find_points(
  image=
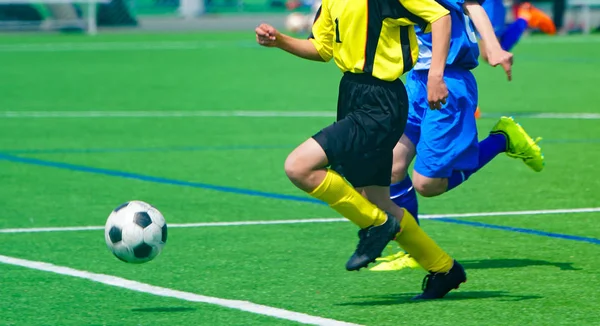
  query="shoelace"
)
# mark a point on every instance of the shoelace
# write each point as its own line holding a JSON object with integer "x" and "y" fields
{"x": 522, "y": 155}
{"x": 426, "y": 280}
{"x": 362, "y": 235}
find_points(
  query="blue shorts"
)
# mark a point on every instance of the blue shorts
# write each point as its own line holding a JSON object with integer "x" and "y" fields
{"x": 497, "y": 12}
{"x": 445, "y": 139}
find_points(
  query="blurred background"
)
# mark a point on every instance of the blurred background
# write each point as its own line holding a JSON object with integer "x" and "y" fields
{"x": 570, "y": 16}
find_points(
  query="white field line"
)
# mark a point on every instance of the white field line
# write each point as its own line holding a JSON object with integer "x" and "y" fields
{"x": 205, "y": 44}
{"x": 240, "y": 113}
{"x": 513, "y": 213}
{"x": 165, "y": 292}
{"x": 163, "y": 114}
{"x": 123, "y": 46}
{"x": 312, "y": 220}
{"x": 582, "y": 116}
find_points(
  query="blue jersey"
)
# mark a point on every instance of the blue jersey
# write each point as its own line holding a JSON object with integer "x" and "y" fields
{"x": 463, "y": 51}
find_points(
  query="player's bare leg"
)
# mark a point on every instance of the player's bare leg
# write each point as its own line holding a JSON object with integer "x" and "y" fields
{"x": 429, "y": 187}
{"x": 402, "y": 191}
{"x": 404, "y": 153}
{"x": 305, "y": 167}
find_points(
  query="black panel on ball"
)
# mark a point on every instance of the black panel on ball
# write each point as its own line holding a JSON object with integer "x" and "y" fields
{"x": 120, "y": 207}
{"x": 114, "y": 234}
{"x": 164, "y": 233}
{"x": 142, "y": 219}
{"x": 142, "y": 250}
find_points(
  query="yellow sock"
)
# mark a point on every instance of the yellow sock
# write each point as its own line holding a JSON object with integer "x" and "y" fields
{"x": 343, "y": 198}
{"x": 421, "y": 247}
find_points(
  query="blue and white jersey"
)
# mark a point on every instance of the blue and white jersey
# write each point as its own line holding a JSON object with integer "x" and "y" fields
{"x": 464, "y": 50}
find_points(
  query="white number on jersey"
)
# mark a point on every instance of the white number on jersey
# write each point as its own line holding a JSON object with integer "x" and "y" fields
{"x": 470, "y": 32}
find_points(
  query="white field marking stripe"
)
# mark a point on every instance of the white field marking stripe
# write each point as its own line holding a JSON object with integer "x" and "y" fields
{"x": 185, "y": 225}
{"x": 165, "y": 292}
{"x": 123, "y": 46}
{"x": 199, "y": 44}
{"x": 512, "y": 213}
{"x": 241, "y": 113}
{"x": 584, "y": 116}
{"x": 162, "y": 114}
{"x": 311, "y": 220}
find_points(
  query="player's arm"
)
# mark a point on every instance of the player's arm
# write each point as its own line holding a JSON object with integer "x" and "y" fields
{"x": 440, "y": 45}
{"x": 318, "y": 47}
{"x": 434, "y": 18}
{"x": 493, "y": 50}
{"x": 267, "y": 35}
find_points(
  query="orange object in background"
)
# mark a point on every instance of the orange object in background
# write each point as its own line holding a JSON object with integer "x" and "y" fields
{"x": 536, "y": 18}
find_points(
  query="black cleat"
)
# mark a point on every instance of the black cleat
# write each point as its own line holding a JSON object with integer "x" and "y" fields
{"x": 437, "y": 285}
{"x": 371, "y": 243}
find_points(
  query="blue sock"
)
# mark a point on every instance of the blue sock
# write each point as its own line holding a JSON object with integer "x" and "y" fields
{"x": 493, "y": 145}
{"x": 404, "y": 195}
{"x": 513, "y": 33}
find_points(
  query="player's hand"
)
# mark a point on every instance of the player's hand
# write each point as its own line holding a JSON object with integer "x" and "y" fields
{"x": 266, "y": 35}
{"x": 437, "y": 92}
{"x": 502, "y": 58}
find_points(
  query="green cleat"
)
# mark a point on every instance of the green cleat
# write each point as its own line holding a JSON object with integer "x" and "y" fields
{"x": 395, "y": 262}
{"x": 520, "y": 144}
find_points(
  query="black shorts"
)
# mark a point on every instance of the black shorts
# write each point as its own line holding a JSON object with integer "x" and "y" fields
{"x": 371, "y": 117}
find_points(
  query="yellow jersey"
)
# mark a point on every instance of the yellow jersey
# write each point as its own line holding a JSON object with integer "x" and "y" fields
{"x": 375, "y": 37}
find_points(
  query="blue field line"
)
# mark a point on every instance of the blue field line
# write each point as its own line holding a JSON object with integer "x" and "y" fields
{"x": 213, "y": 148}
{"x": 520, "y": 230}
{"x": 143, "y": 149}
{"x": 249, "y": 192}
{"x": 142, "y": 177}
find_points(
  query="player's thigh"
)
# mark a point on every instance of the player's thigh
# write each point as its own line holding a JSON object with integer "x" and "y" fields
{"x": 449, "y": 136}
{"x": 405, "y": 150}
{"x": 307, "y": 156}
{"x": 403, "y": 154}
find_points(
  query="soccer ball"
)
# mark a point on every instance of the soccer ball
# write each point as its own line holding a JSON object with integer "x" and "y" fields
{"x": 135, "y": 232}
{"x": 295, "y": 22}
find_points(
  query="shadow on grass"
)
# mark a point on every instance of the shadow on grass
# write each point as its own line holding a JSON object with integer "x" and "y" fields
{"x": 513, "y": 263}
{"x": 163, "y": 309}
{"x": 403, "y": 298}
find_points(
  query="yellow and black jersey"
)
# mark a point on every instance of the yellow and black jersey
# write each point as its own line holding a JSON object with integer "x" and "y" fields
{"x": 376, "y": 37}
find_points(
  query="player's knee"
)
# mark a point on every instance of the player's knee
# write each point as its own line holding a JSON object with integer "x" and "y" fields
{"x": 429, "y": 188}
{"x": 294, "y": 169}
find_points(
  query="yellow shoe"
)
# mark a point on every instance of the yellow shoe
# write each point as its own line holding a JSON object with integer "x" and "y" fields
{"x": 520, "y": 144}
{"x": 395, "y": 262}
{"x": 391, "y": 257}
